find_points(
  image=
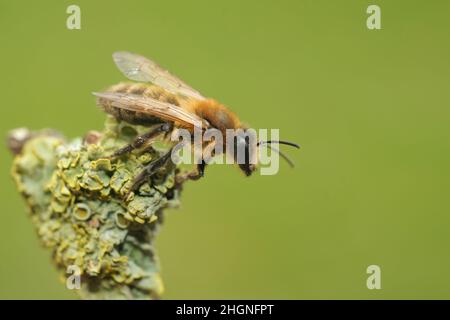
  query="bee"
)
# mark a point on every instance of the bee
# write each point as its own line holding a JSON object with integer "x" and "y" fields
{"x": 163, "y": 102}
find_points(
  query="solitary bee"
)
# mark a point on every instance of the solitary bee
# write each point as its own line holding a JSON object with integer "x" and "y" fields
{"x": 163, "y": 102}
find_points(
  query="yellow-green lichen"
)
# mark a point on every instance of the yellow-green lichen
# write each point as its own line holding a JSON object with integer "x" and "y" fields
{"x": 81, "y": 205}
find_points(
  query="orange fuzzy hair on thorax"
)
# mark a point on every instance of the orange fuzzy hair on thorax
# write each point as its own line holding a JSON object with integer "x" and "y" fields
{"x": 216, "y": 114}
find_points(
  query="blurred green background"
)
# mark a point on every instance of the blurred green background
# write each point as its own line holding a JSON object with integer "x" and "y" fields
{"x": 371, "y": 110}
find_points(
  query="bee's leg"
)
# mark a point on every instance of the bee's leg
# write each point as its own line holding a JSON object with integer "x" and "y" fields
{"x": 149, "y": 171}
{"x": 139, "y": 141}
{"x": 194, "y": 174}
{"x": 199, "y": 173}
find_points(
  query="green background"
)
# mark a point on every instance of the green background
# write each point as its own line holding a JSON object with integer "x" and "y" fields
{"x": 370, "y": 109}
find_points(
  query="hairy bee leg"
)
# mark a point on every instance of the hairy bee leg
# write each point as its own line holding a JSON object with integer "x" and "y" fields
{"x": 149, "y": 171}
{"x": 199, "y": 173}
{"x": 196, "y": 174}
{"x": 139, "y": 141}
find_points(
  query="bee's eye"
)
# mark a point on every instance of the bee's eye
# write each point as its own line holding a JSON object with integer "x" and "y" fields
{"x": 239, "y": 145}
{"x": 242, "y": 141}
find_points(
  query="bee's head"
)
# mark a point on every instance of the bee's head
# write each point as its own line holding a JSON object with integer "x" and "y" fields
{"x": 247, "y": 167}
{"x": 245, "y": 148}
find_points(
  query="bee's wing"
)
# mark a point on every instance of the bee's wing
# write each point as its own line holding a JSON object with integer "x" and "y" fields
{"x": 138, "y": 68}
{"x": 163, "y": 110}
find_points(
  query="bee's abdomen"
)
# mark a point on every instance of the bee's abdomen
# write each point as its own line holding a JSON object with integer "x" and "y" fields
{"x": 141, "y": 89}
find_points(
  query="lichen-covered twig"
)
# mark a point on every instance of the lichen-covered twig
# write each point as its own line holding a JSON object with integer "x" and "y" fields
{"x": 78, "y": 202}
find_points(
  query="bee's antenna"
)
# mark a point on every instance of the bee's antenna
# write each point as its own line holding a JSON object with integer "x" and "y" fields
{"x": 292, "y": 144}
{"x": 284, "y": 156}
